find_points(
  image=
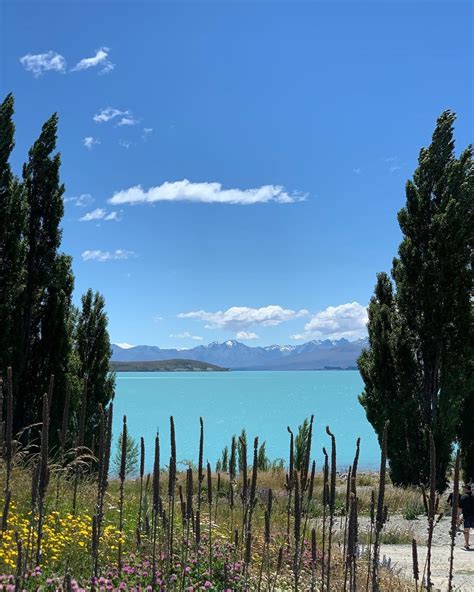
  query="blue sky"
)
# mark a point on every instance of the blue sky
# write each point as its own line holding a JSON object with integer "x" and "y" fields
{"x": 271, "y": 143}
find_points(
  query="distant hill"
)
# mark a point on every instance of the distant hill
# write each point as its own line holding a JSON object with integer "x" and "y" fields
{"x": 313, "y": 355}
{"x": 166, "y": 366}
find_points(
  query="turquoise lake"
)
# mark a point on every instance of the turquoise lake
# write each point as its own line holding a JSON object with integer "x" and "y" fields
{"x": 262, "y": 402}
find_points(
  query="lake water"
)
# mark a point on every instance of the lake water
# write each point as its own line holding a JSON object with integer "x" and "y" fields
{"x": 262, "y": 402}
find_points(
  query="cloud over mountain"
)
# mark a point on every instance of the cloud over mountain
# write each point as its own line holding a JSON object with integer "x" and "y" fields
{"x": 347, "y": 321}
{"x": 240, "y": 317}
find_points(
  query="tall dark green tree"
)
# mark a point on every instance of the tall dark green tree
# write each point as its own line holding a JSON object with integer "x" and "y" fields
{"x": 93, "y": 349}
{"x": 44, "y": 308}
{"x": 12, "y": 246}
{"x": 417, "y": 364}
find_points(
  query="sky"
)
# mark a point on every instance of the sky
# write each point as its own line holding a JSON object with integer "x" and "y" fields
{"x": 233, "y": 170}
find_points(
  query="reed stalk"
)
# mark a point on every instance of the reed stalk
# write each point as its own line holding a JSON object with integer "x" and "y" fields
{"x": 140, "y": 501}
{"x": 431, "y": 511}
{"x": 171, "y": 491}
{"x": 8, "y": 448}
{"x": 79, "y": 442}
{"x": 290, "y": 485}
{"x": 200, "y": 461}
{"x": 416, "y": 571}
{"x": 156, "y": 506}
{"x": 380, "y": 516}
{"x": 122, "y": 475}
{"x": 297, "y": 532}
{"x": 43, "y": 475}
{"x": 325, "y": 501}
{"x": 454, "y": 520}
{"x": 332, "y": 504}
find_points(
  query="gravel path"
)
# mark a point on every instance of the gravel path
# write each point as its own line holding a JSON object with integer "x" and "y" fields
{"x": 400, "y": 555}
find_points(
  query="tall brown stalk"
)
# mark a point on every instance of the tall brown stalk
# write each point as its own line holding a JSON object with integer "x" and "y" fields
{"x": 332, "y": 504}
{"x": 156, "y": 506}
{"x": 209, "y": 503}
{"x": 79, "y": 442}
{"x": 140, "y": 503}
{"x": 122, "y": 475}
{"x": 200, "y": 461}
{"x": 43, "y": 475}
{"x": 171, "y": 491}
{"x": 454, "y": 520}
{"x": 431, "y": 511}
{"x": 380, "y": 516}
{"x": 325, "y": 501}
{"x": 290, "y": 480}
{"x": 414, "y": 556}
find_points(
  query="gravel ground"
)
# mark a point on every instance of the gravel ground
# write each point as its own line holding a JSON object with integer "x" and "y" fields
{"x": 400, "y": 555}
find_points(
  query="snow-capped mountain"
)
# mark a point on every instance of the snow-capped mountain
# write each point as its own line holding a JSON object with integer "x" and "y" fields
{"x": 313, "y": 355}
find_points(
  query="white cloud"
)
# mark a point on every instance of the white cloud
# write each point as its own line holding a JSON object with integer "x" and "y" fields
{"x": 108, "y": 114}
{"x": 346, "y": 320}
{"x": 241, "y": 317}
{"x": 39, "y": 63}
{"x": 157, "y": 318}
{"x": 147, "y": 130}
{"x": 102, "y": 256}
{"x": 186, "y": 335}
{"x": 89, "y": 142}
{"x": 82, "y": 201}
{"x": 100, "y": 214}
{"x": 116, "y": 216}
{"x": 101, "y": 58}
{"x": 128, "y": 120}
{"x": 204, "y": 193}
{"x": 124, "y": 345}
{"x": 125, "y": 144}
{"x": 246, "y": 335}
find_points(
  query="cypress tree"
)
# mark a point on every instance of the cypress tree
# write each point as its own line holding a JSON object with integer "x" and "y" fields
{"x": 93, "y": 349}
{"x": 12, "y": 222}
{"x": 45, "y": 305}
{"x": 416, "y": 368}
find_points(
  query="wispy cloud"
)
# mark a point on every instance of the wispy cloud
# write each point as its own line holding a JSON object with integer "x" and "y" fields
{"x": 246, "y": 335}
{"x": 39, "y": 63}
{"x": 101, "y": 59}
{"x": 100, "y": 214}
{"x": 102, "y": 256}
{"x": 186, "y": 335}
{"x": 124, "y": 345}
{"x": 205, "y": 193}
{"x": 108, "y": 114}
{"x": 89, "y": 142}
{"x": 81, "y": 201}
{"x": 124, "y": 143}
{"x": 357, "y": 171}
{"x": 346, "y": 320}
{"x": 394, "y": 162}
{"x": 240, "y": 317}
{"x": 128, "y": 120}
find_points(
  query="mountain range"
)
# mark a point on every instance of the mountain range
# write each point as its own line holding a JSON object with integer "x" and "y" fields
{"x": 313, "y": 355}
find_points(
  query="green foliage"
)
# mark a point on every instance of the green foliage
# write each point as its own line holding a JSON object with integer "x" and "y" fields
{"x": 12, "y": 244}
{"x": 240, "y": 449}
{"x": 416, "y": 367}
{"x": 38, "y": 336}
{"x": 263, "y": 462}
{"x": 301, "y": 441}
{"x": 92, "y": 345}
{"x": 131, "y": 458}
{"x": 413, "y": 510}
{"x": 225, "y": 460}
